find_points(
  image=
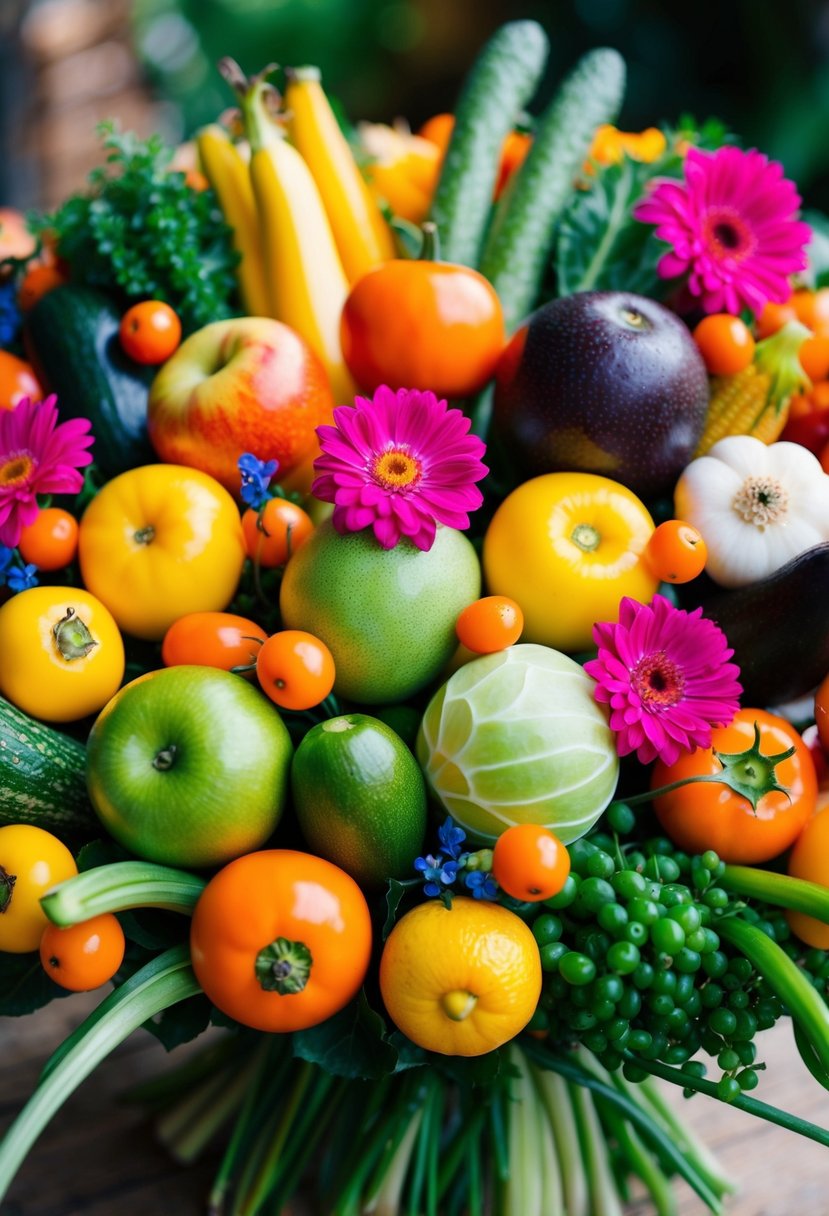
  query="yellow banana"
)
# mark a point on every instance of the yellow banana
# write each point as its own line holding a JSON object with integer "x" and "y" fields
{"x": 307, "y": 285}
{"x": 363, "y": 237}
{"x": 228, "y": 174}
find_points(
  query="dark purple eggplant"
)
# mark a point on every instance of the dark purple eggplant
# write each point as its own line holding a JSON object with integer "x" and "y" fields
{"x": 778, "y": 628}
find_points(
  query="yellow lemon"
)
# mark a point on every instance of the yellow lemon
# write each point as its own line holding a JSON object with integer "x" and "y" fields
{"x": 462, "y": 980}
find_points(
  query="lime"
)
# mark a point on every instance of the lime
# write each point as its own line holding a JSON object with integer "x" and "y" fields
{"x": 387, "y": 615}
{"x": 360, "y": 797}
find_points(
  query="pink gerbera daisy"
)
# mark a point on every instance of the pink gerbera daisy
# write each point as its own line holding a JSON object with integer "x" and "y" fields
{"x": 37, "y": 456}
{"x": 400, "y": 464}
{"x": 665, "y": 674}
{"x": 733, "y": 227}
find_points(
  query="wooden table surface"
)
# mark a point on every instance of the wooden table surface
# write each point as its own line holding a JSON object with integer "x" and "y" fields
{"x": 98, "y": 1158}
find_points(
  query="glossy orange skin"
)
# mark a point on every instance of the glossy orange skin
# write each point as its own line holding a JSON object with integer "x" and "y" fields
{"x": 774, "y": 317}
{"x": 676, "y": 552}
{"x": 530, "y": 862}
{"x": 809, "y": 859}
{"x": 37, "y": 282}
{"x": 424, "y": 325}
{"x": 276, "y": 536}
{"x": 712, "y": 816}
{"x": 490, "y": 624}
{"x": 295, "y": 669}
{"x": 51, "y": 541}
{"x": 83, "y": 956}
{"x": 17, "y": 380}
{"x": 725, "y": 343}
{"x": 245, "y": 385}
{"x": 280, "y": 893}
{"x": 438, "y": 130}
{"x": 814, "y": 359}
{"x": 150, "y": 332}
{"x": 212, "y": 639}
{"x": 812, "y": 308}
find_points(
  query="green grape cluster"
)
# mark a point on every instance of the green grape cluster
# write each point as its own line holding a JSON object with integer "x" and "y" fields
{"x": 634, "y": 966}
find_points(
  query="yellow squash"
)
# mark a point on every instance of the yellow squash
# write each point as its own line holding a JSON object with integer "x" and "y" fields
{"x": 228, "y": 174}
{"x": 363, "y": 237}
{"x": 307, "y": 285}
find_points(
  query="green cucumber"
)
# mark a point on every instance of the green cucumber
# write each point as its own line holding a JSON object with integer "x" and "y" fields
{"x": 522, "y": 235}
{"x": 73, "y": 335}
{"x": 42, "y": 776}
{"x": 501, "y": 82}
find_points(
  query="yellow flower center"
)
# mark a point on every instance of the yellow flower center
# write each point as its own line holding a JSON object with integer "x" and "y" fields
{"x": 396, "y": 469}
{"x": 16, "y": 470}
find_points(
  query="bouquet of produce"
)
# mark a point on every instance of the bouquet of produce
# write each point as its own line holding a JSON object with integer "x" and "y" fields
{"x": 398, "y": 532}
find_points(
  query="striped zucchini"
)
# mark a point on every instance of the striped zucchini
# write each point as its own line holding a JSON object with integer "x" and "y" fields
{"x": 501, "y": 82}
{"x": 42, "y": 776}
{"x": 522, "y": 235}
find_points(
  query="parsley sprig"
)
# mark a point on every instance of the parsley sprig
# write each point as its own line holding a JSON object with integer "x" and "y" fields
{"x": 140, "y": 229}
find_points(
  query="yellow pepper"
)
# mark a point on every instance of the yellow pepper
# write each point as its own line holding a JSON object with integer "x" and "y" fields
{"x": 567, "y": 547}
{"x": 403, "y": 170}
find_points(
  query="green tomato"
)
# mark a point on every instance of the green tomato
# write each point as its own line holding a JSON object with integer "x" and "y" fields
{"x": 189, "y": 766}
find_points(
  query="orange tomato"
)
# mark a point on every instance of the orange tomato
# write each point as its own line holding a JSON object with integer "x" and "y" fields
{"x": 51, "y": 540}
{"x": 774, "y": 317}
{"x": 295, "y": 669}
{"x": 85, "y": 955}
{"x": 676, "y": 552}
{"x": 150, "y": 332}
{"x": 212, "y": 639}
{"x": 424, "y": 325}
{"x": 712, "y": 816}
{"x": 725, "y": 343}
{"x": 809, "y": 859}
{"x": 280, "y": 940}
{"x": 17, "y": 380}
{"x": 275, "y": 533}
{"x": 38, "y": 280}
{"x": 490, "y": 624}
{"x": 812, "y": 308}
{"x": 530, "y": 862}
{"x": 814, "y": 359}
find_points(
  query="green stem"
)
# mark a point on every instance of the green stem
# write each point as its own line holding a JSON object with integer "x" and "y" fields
{"x": 605, "y": 1196}
{"x": 168, "y": 1086}
{"x": 499, "y": 1138}
{"x": 165, "y": 981}
{"x": 385, "y": 1195}
{"x": 182, "y": 1117}
{"x": 649, "y": 795}
{"x": 221, "y": 1182}
{"x": 119, "y": 886}
{"x": 785, "y": 979}
{"x": 262, "y": 1181}
{"x": 697, "y": 1153}
{"x": 616, "y": 220}
{"x": 216, "y": 1110}
{"x": 631, "y": 1110}
{"x": 421, "y": 1154}
{"x": 555, "y": 1097}
{"x": 778, "y": 889}
{"x": 306, "y": 1134}
{"x": 751, "y": 1106}
{"x": 642, "y": 1164}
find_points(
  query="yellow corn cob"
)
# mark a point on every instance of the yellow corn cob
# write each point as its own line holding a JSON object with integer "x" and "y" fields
{"x": 363, "y": 237}
{"x": 756, "y": 400}
{"x": 228, "y": 175}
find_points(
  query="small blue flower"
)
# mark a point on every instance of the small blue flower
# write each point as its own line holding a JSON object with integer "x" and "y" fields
{"x": 482, "y": 886}
{"x": 21, "y": 578}
{"x": 256, "y": 477}
{"x": 451, "y": 837}
{"x": 6, "y": 556}
{"x": 9, "y": 313}
{"x": 438, "y": 872}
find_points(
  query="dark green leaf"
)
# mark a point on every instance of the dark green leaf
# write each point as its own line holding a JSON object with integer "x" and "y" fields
{"x": 100, "y": 853}
{"x": 351, "y": 1044}
{"x": 24, "y": 985}
{"x": 475, "y": 1070}
{"x": 409, "y": 1055}
{"x": 394, "y": 893}
{"x": 600, "y": 246}
{"x": 181, "y": 1023}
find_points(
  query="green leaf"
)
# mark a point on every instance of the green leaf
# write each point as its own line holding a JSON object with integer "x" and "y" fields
{"x": 100, "y": 853}
{"x": 351, "y": 1044}
{"x": 474, "y": 1070}
{"x": 394, "y": 893}
{"x": 409, "y": 1055}
{"x": 24, "y": 985}
{"x": 601, "y": 247}
{"x": 180, "y": 1023}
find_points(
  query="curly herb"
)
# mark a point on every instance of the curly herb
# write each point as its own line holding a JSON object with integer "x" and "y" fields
{"x": 141, "y": 229}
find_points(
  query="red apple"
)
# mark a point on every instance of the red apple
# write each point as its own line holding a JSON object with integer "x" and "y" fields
{"x": 245, "y": 385}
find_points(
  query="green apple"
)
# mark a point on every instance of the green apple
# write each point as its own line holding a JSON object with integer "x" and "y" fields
{"x": 189, "y": 766}
{"x": 248, "y": 384}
